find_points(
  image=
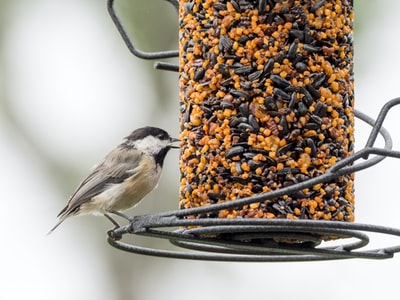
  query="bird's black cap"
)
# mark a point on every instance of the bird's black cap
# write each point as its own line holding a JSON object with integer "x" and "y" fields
{"x": 143, "y": 132}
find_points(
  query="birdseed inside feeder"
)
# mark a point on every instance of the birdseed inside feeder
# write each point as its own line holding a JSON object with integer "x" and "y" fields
{"x": 266, "y": 95}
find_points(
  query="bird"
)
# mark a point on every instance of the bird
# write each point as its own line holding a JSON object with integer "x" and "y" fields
{"x": 123, "y": 178}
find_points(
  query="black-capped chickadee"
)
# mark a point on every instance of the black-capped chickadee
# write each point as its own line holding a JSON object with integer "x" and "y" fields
{"x": 123, "y": 178}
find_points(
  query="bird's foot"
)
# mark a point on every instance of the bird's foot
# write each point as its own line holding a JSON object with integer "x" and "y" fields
{"x": 112, "y": 233}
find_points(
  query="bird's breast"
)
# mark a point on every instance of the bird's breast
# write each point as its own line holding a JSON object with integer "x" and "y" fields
{"x": 124, "y": 195}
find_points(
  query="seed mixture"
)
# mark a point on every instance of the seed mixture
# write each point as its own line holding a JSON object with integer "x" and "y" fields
{"x": 266, "y": 91}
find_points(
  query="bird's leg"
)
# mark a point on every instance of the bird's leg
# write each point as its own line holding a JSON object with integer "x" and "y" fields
{"x": 120, "y": 214}
{"x": 112, "y": 221}
{"x": 111, "y": 233}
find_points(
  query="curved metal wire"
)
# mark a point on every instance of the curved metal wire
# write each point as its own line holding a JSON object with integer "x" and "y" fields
{"x": 228, "y": 250}
{"x": 137, "y": 52}
{"x": 269, "y": 239}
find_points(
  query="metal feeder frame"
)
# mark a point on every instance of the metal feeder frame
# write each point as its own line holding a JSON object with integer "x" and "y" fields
{"x": 261, "y": 240}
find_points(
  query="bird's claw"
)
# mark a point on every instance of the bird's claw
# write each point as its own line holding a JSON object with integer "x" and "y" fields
{"x": 114, "y": 235}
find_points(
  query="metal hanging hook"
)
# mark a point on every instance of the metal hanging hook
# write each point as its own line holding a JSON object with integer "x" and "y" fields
{"x": 139, "y": 53}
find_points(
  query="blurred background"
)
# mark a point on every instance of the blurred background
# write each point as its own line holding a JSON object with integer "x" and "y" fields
{"x": 70, "y": 90}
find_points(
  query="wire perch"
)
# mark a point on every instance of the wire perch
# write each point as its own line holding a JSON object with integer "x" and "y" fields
{"x": 261, "y": 239}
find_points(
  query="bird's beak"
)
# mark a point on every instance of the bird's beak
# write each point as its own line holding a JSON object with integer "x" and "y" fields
{"x": 173, "y": 140}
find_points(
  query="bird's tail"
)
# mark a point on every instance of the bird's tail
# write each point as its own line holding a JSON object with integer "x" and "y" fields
{"x": 62, "y": 219}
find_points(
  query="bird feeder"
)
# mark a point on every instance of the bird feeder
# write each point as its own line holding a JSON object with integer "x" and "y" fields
{"x": 267, "y": 115}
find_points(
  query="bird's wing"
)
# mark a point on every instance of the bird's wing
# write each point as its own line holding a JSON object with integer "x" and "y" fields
{"x": 115, "y": 168}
